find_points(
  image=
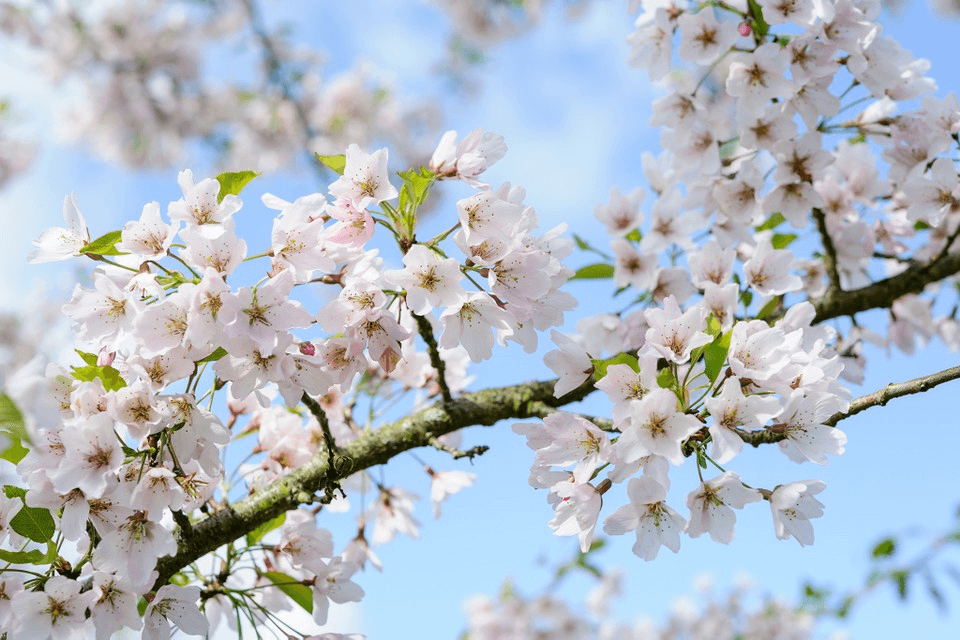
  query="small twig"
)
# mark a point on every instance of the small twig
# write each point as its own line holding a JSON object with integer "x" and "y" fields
{"x": 895, "y": 390}
{"x": 333, "y": 484}
{"x": 471, "y": 453}
{"x": 830, "y": 251}
{"x": 426, "y": 332}
{"x": 877, "y": 398}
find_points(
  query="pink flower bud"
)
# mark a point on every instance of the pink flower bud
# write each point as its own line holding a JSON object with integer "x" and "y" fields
{"x": 744, "y": 29}
{"x": 105, "y": 358}
{"x": 307, "y": 348}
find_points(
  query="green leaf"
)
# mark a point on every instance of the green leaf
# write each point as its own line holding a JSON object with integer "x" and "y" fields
{"x": 599, "y": 270}
{"x": 600, "y": 366}
{"x": 34, "y": 523}
{"x": 582, "y": 244}
{"x": 10, "y": 416}
{"x": 900, "y": 577}
{"x": 13, "y": 427}
{"x": 713, "y": 326}
{"x": 12, "y": 491}
{"x": 232, "y": 183}
{"x": 771, "y": 222}
{"x": 142, "y": 605}
{"x": 216, "y": 355}
{"x": 15, "y": 451}
{"x": 857, "y": 139}
{"x": 885, "y": 548}
{"x": 844, "y": 609}
{"x": 415, "y": 189}
{"x": 715, "y": 355}
{"x": 335, "y": 163}
{"x": 760, "y": 26}
{"x": 34, "y": 556}
{"x": 104, "y": 245}
{"x": 635, "y": 236}
{"x": 109, "y": 376}
{"x": 257, "y": 534}
{"x": 89, "y": 358}
{"x": 781, "y": 240}
{"x": 295, "y": 590}
{"x": 666, "y": 379}
{"x": 920, "y": 225}
{"x": 769, "y": 308}
{"x": 746, "y": 297}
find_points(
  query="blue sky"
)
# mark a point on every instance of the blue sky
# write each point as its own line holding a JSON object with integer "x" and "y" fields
{"x": 574, "y": 118}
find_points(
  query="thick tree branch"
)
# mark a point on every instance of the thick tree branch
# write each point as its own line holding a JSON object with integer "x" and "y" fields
{"x": 882, "y": 293}
{"x": 372, "y": 448}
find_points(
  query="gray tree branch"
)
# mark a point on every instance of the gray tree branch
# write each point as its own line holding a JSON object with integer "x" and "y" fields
{"x": 372, "y": 448}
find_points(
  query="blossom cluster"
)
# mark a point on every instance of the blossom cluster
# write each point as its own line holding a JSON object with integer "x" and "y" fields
{"x": 723, "y": 343}
{"x": 145, "y": 98}
{"x": 125, "y": 448}
{"x": 766, "y": 209}
{"x": 515, "y": 616}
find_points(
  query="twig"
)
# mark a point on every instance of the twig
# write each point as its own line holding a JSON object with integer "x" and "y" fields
{"x": 471, "y": 453}
{"x": 830, "y": 251}
{"x": 426, "y": 332}
{"x": 328, "y": 443}
{"x": 895, "y": 390}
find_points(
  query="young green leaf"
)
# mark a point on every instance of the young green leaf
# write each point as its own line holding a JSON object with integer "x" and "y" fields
{"x": 885, "y": 548}
{"x": 600, "y": 366}
{"x": 774, "y": 220}
{"x": 34, "y": 523}
{"x": 218, "y": 353}
{"x": 257, "y": 534}
{"x": 89, "y": 358}
{"x": 770, "y": 307}
{"x": 415, "y": 189}
{"x": 334, "y": 163}
{"x": 108, "y": 375}
{"x": 34, "y": 556}
{"x": 667, "y": 380}
{"x": 104, "y": 245}
{"x": 13, "y": 427}
{"x": 294, "y": 589}
{"x": 12, "y": 491}
{"x": 715, "y": 355}
{"x": 781, "y": 240}
{"x": 598, "y": 270}
{"x": 232, "y": 183}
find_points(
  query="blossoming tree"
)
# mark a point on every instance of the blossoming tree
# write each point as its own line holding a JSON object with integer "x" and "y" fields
{"x": 797, "y": 190}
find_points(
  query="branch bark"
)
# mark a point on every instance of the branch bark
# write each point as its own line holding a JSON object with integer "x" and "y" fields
{"x": 882, "y": 293}
{"x": 877, "y": 398}
{"x": 895, "y": 390}
{"x": 374, "y": 447}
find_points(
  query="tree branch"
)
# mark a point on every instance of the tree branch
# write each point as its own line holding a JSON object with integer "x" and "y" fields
{"x": 894, "y": 390}
{"x": 372, "y": 448}
{"x": 877, "y": 398}
{"x": 830, "y": 252}
{"x": 882, "y": 293}
{"x": 426, "y": 332}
